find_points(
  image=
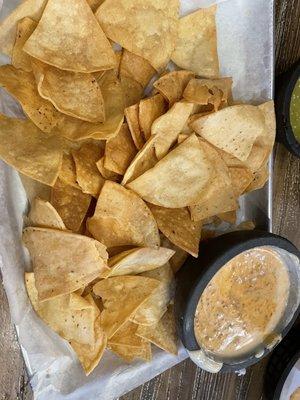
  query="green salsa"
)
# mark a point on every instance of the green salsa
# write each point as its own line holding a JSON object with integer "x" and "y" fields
{"x": 295, "y": 111}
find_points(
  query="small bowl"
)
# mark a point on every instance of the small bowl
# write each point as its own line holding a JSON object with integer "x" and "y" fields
{"x": 195, "y": 275}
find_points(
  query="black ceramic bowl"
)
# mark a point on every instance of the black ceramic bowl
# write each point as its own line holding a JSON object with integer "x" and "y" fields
{"x": 285, "y": 84}
{"x": 196, "y": 273}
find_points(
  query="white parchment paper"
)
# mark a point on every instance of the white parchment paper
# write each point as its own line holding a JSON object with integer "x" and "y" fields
{"x": 245, "y": 45}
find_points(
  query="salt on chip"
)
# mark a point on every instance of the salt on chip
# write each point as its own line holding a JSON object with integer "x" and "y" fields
{"x": 120, "y": 151}
{"x": 19, "y": 58}
{"x": 233, "y": 129}
{"x": 136, "y": 67}
{"x": 75, "y": 129}
{"x": 130, "y": 23}
{"x": 149, "y": 110}
{"x": 106, "y": 173}
{"x": 129, "y": 353}
{"x": 29, "y": 150}
{"x": 43, "y": 214}
{"x": 167, "y": 127}
{"x": 163, "y": 333}
{"x": 219, "y": 195}
{"x": 121, "y": 296}
{"x": 121, "y": 218}
{"x": 196, "y": 46}
{"x": 171, "y": 85}
{"x": 132, "y": 118}
{"x": 138, "y": 260}
{"x": 78, "y": 47}
{"x": 70, "y": 203}
{"x": 8, "y": 27}
{"x": 87, "y": 173}
{"x": 151, "y": 311}
{"x": 72, "y": 93}
{"x": 180, "y": 256}
{"x": 177, "y": 180}
{"x": 62, "y": 261}
{"x": 21, "y": 85}
{"x": 177, "y": 226}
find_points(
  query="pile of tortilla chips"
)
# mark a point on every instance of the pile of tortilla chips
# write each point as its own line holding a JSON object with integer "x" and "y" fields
{"x": 125, "y": 181}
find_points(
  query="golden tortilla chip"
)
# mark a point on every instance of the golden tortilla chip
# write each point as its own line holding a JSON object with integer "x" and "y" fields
{"x": 163, "y": 334}
{"x": 62, "y": 261}
{"x": 149, "y": 110}
{"x": 75, "y": 129}
{"x": 136, "y": 67}
{"x": 43, "y": 214}
{"x": 35, "y": 189}
{"x": 94, "y": 4}
{"x": 219, "y": 195}
{"x": 8, "y": 27}
{"x": 121, "y": 218}
{"x": 121, "y": 296}
{"x": 172, "y": 85}
{"x": 177, "y": 180}
{"x": 130, "y": 23}
{"x": 180, "y": 256}
{"x": 87, "y": 173}
{"x": 129, "y": 353}
{"x": 167, "y": 127}
{"x": 144, "y": 160}
{"x": 106, "y": 173}
{"x": 196, "y": 46}
{"x": 72, "y": 93}
{"x": 216, "y": 92}
{"x": 21, "y": 85}
{"x": 177, "y": 226}
{"x": 68, "y": 171}
{"x": 138, "y": 260}
{"x": 30, "y": 151}
{"x": 240, "y": 178}
{"x": 261, "y": 176}
{"x": 126, "y": 336}
{"x": 70, "y": 203}
{"x": 132, "y": 118}
{"x": 19, "y": 58}
{"x": 120, "y": 151}
{"x": 133, "y": 91}
{"x": 233, "y": 129}
{"x": 229, "y": 216}
{"x": 151, "y": 311}
{"x": 69, "y": 37}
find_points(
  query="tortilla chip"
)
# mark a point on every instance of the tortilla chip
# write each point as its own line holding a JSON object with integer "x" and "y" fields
{"x": 167, "y": 127}
{"x": 21, "y": 85}
{"x": 121, "y": 218}
{"x": 196, "y": 46}
{"x": 149, "y": 110}
{"x": 106, "y": 173}
{"x": 177, "y": 180}
{"x": 260, "y": 178}
{"x": 30, "y": 151}
{"x": 144, "y": 160}
{"x": 130, "y": 23}
{"x": 136, "y": 67}
{"x": 35, "y": 189}
{"x": 43, "y": 214}
{"x": 151, "y": 311}
{"x": 62, "y": 261}
{"x": 75, "y": 129}
{"x": 8, "y": 27}
{"x": 219, "y": 195}
{"x": 94, "y": 4}
{"x": 172, "y": 85}
{"x": 87, "y": 173}
{"x": 163, "y": 333}
{"x": 216, "y": 92}
{"x": 78, "y": 47}
{"x": 68, "y": 171}
{"x": 180, "y": 256}
{"x": 72, "y": 93}
{"x": 132, "y": 90}
{"x": 229, "y": 216}
{"x": 119, "y": 151}
{"x": 132, "y": 118}
{"x": 241, "y": 179}
{"x": 121, "y": 296}
{"x": 129, "y": 353}
{"x": 177, "y": 226}
{"x": 138, "y": 260}
{"x": 233, "y": 129}
{"x": 126, "y": 336}
{"x": 19, "y": 58}
{"x": 70, "y": 203}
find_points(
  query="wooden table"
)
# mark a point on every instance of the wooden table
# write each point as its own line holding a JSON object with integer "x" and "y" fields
{"x": 186, "y": 381}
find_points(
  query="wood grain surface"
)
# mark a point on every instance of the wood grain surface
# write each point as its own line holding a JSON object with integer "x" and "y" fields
{"x": 186, "y": 381}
